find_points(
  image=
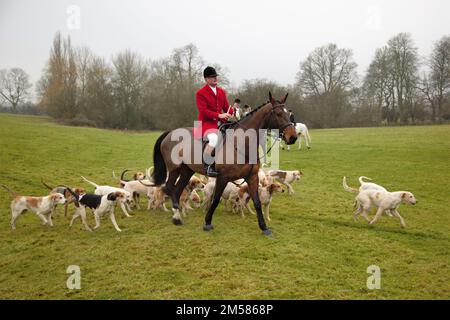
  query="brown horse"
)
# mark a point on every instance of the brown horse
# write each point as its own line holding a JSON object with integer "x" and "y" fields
{"x": 271, "y": 115}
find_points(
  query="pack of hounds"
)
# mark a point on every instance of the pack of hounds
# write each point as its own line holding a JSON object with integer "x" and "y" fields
{"x": 235, "y": 197}
{"x": 104, "y": 199}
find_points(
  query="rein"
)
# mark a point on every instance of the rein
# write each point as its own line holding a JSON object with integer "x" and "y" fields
{"x": 282, "y": 128}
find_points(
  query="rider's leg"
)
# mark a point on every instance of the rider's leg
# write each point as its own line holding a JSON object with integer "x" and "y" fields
{"x": 208, "y": 153}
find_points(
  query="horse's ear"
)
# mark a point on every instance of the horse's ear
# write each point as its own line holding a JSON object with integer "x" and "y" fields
{"x": 271, "y": 99}
{"x": 284, "y": 99}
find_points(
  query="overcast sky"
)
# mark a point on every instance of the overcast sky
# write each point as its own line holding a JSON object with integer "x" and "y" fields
{"x": 253, "y": 39}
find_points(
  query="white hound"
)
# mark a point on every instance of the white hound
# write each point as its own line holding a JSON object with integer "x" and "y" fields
{"x": 105, "y": 190}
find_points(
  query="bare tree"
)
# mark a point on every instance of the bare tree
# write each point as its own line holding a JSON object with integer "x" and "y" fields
{"x": 130, "y": 75}
{"x": 326, "y": 79}
{"x": 379, "y": 85}
{"x": 326, "y": 69}
{"x": 439, "y": 79}
{"x": 14, "y": 86}
{"x": 83, "y": 60}
{"x": 391, "y": 80}
{"x": 58, "y": 85}
{"x": 404, "y": 68}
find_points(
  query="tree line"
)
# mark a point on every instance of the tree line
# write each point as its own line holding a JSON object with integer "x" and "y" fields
{"x": 79, "y": 87}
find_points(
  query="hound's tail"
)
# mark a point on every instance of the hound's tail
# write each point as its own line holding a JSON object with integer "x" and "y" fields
{"x": 160, "y": 173}
{"x": 46, "y": 185}
{"x": 149, "y": 172}
{"x": 9, "y": 190}
{"x": 90, "y": 182}
{"x": 361, "y": 179}
{"x": 347, "y": 188}
{"x": 122, "y": 175}
{"x": 121, "y": 182}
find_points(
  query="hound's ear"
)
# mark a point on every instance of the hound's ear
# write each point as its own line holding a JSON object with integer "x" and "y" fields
{"x": 403, "y": 195}
{"x": 112, "y": 196}
{"x": 284, "y": 98}
{"x": 271, "y": 99}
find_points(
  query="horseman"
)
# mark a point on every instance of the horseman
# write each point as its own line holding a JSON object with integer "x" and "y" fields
{"x": 213, "y": 108}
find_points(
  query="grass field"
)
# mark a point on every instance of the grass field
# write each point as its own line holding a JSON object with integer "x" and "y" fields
{"x": 318, "y": 251}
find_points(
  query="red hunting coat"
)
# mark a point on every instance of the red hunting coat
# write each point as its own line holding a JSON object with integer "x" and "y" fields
{"x": 209, "y": 107}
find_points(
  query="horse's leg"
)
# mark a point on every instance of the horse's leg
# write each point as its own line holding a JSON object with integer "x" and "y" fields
{"x": 169, "y": 188}
{"x": 185, "y": 174}
{"x": 218, "y": 190}
{"x": 253, "y": 191}
{"x": 170, "y": 183}
{"x": 306, "y": 139}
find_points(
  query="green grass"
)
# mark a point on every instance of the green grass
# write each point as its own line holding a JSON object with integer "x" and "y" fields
{"x": 318, "y": 251}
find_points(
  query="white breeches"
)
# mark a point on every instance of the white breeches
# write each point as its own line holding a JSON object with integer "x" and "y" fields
{"x": 213, "y": 139}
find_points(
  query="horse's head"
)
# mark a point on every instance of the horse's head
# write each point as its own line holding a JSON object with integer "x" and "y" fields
{"x": 279, "y": 119}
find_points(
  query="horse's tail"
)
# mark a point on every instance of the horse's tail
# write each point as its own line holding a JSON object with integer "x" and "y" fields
{"x": 160, "y": 172}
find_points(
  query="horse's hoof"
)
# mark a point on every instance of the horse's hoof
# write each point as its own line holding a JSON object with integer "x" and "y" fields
{"x": 267, "y": 233}
{"x": 177, "y": 222}
{"x": 208, "y": 227}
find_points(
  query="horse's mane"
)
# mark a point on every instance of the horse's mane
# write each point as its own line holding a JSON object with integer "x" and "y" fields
{"x": 248, "y": 115}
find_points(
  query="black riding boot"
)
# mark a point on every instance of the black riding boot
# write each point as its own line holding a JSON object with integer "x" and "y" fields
{"x": 210, "y": 170}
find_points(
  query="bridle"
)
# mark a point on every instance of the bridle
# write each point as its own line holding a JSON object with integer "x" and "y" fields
{"x": 281, "y": 129}
{"x": 280, "y": 135}
{"x": 284, "y": 126}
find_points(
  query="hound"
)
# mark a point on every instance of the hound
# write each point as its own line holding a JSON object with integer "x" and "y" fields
{"x": 139, "y": 175}
{"x": 263, "y": 178}
{"x": 383, "y": 201}
{"x": 156, "y": 198}
{"x": 63, "y": 190}
{"x": 101, "y": 205}
{"x": 208, "y": 191}
{"x": 285, "y": 177}
{"x": 159, "y": 196}
{"x": 364, "y": 186}
{"x": 194, "y": 184}
{"x": 230, "y": 190}
{"x": 137, "y": 188}
{"x": 42, "y": 206}
{"x": 266, "y": 193}
{"x": 134, "y": 186}
{"x": 196, "y": 199}
{"x": 104, "y": 190}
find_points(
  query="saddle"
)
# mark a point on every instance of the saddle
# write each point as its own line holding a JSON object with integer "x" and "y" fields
{"x": 222, "y": 128}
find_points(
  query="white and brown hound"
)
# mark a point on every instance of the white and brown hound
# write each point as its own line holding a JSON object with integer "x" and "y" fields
{"x": 285, "y": 177}
{"x": 42, "y": 206}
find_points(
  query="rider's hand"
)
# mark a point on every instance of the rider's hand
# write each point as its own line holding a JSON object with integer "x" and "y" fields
{"x": 225, "y": 116}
